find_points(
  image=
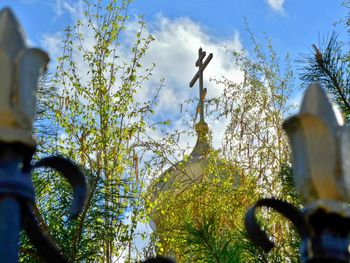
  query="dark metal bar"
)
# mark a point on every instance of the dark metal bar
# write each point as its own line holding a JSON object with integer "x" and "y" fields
{"x": 10, "y": 227}
{"x": 15, "y": 187}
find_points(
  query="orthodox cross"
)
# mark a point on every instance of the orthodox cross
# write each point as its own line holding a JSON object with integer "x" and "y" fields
{"x": 199, "y": 75}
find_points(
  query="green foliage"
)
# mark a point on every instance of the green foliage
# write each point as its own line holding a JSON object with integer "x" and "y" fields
{"x": 207, "y": 246}
{"x": 102, "y": 127}
{"x": 202, "y": 221}
{"x": 255, "y": 140}
{"x": 329, "y": 63}
{"x": 256, "y": 108}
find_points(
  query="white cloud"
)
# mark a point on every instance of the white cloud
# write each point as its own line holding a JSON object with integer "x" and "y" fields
{"x": 276, "y": 5}
{"x": 53, "y": 44}
{"x": 73, "y": 8}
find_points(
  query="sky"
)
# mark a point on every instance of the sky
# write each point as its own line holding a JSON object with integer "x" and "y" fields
{"x": 181, "y": 27}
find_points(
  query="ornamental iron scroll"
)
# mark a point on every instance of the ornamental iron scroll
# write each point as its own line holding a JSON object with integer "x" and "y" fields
{"x": 20, "y": 68}
{"x": 321, "y": 161}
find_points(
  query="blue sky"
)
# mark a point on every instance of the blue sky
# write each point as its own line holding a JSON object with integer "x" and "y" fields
{"x": 292, "y": 24}
{"x": 181, "y": 26}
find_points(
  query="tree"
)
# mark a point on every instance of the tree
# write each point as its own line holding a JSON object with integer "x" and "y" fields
{"x": 329, "y": 63}
{"x": 255, "y": 140}
{"x": 101, "y": 126}
{"x": 203, "y": 221}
